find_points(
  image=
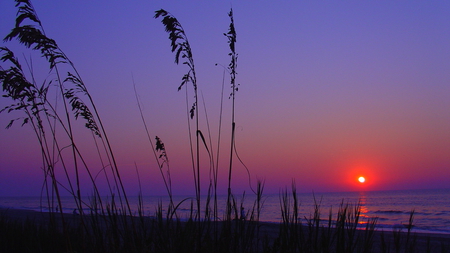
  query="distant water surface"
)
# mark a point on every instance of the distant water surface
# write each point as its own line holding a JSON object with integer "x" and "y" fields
{"x": 393, "y": 208}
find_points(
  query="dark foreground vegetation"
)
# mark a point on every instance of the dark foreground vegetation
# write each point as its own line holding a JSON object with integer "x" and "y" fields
{"x": 44, "y": 232}
{"x": 52, "y": 108}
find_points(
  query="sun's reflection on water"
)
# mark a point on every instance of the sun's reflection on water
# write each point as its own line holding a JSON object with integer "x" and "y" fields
{"x": 364, "y": 210}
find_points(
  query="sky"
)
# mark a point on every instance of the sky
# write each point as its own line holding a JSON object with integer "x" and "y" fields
{"x": 329, "y": 91}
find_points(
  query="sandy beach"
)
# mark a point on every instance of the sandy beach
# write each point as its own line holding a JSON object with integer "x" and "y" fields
{"x": 423, "y": 242}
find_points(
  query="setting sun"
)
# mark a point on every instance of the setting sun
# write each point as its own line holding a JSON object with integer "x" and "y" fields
{"x": 361, "y": 179}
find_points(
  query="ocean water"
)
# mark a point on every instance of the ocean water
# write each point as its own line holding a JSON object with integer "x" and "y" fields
{"x": 392, "y": 208}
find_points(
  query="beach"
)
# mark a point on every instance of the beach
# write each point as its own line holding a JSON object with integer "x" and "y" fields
{"x": 383, "y": 241}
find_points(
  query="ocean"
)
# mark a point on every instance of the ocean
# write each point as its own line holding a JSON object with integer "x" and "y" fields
{"x": 392, "y": 208}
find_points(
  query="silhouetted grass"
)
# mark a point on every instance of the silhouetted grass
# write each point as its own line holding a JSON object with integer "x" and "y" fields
{"x": 338, "y": 232}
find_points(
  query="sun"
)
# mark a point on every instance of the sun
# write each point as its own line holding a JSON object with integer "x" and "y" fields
{"x": 362, "y": 179}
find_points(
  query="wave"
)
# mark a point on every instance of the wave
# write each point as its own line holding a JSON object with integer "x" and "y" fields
{"x": 441, "y": 213}
{"x": 392, "y": 212}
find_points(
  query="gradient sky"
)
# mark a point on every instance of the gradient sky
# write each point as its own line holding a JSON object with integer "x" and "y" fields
{"x": 330, "y": 90}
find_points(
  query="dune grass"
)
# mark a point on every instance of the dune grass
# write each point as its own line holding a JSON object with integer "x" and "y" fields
{"x": 53, "y": 107}
{"x": 114, "y": 232}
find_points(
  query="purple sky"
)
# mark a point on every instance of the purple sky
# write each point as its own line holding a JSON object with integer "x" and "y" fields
{"x": 329, "y": 90}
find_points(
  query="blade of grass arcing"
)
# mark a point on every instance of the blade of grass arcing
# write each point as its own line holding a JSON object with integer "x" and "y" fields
{"x": 35, "y": 102}
{"x": 219, "y": 135}
{"x": 159, "y": 147}
{"x": 180, "y": 45}
{"x": 212, "y": 188}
